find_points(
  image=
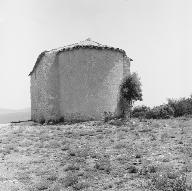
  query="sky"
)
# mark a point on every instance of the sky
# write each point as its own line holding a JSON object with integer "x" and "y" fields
{"x": 156, "y": 34}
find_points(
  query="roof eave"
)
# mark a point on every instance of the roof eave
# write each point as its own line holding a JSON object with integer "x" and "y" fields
{"x": 76, "y": 47}
{"x": 37, "y": 61}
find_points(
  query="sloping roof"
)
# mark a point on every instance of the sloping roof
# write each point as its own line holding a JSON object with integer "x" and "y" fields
{"x": 88, "y": 43}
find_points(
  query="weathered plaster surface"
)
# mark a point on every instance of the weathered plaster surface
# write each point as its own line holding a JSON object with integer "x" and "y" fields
{"x": 81, "y": 83}
{"x": 89, "y": 81}
{"x": 44, "y": 90}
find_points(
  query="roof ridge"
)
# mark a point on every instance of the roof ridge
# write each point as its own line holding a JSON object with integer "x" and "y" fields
{"x": 80, "y": 44}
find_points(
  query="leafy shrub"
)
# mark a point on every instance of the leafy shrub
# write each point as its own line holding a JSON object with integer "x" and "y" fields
{"x": 140, "y": 111}
{"x": 131, "y": 88}
{"x": 42, "y": 121}
{"x": 116, "y": 122}
{"x": 174, "y": 108}
{"x": 181, "y": 107}
{"x": 61, "y": 120}
{"x": 160, "y": 112}
{"x": 130, "y": 91}
{"x": 108, "y": 116}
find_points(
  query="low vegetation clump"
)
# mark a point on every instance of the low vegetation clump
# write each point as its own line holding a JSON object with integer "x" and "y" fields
{"x": 168, "y": 182}
{"x": 174, "y": 108}
{"x": 181, "y": 107}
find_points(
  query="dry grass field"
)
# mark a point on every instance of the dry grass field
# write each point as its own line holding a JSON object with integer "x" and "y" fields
{"x": 96, "y": 156}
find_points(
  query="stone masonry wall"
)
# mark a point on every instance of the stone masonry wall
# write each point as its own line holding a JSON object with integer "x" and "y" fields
{"x": 44, "y": 90}
{"x": 80, "y": 84}
{"x": 89, "y": 82}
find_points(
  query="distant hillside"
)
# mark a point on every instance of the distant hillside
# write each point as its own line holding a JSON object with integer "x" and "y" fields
{"x": 8, "y": 115}
{"x": 3, "y": 111}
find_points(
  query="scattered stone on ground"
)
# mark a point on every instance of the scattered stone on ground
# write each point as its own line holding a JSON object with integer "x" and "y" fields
{"x": 94, "y": 155}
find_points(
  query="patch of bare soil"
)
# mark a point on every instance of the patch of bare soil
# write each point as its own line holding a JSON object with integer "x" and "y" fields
{"x": 92, "y": 156}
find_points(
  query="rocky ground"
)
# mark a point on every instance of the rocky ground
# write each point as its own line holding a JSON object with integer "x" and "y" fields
{"x": 133, "y": 156}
